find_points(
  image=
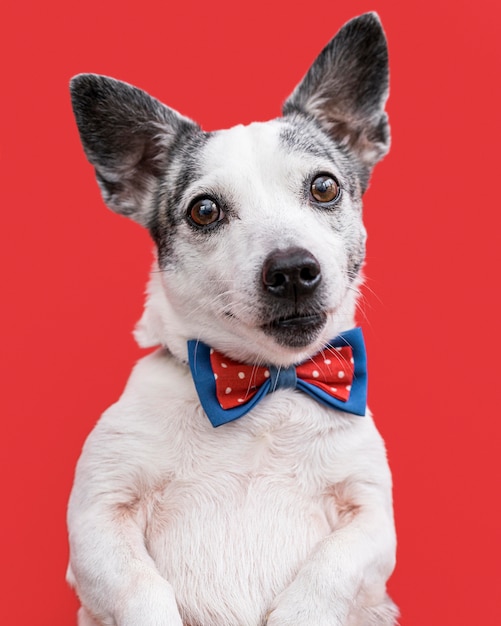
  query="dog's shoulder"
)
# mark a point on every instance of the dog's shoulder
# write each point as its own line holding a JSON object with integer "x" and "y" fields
{"x": 159, "y": 376}
{"x": 159, "y": 389}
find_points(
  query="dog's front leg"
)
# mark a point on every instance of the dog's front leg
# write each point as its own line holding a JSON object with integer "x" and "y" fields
{"x": 115, "y": 577}
{"x": 343, "y": 582}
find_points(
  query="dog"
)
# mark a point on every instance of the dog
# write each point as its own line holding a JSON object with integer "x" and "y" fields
{"x": 268, "y": 503}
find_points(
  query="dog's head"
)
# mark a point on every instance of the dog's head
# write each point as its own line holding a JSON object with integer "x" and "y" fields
{"x": 258, "y": 228}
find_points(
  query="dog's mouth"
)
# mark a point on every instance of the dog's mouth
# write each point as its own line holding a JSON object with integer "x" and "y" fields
{"x": 298, "y": 321}
{"x": 296, "y": 331}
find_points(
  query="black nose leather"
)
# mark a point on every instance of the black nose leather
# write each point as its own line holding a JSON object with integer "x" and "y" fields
{"x": 292, "y": 273}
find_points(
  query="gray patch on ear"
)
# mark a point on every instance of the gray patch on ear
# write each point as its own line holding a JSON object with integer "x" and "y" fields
{"x": 126, "y": 135}
{"x": 346, "y": 89}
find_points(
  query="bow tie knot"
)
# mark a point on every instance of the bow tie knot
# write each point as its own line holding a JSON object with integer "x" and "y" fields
{"x": 336, "y": 377}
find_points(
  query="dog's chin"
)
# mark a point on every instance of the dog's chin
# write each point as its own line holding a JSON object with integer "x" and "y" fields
{"x": 296, "y": 332}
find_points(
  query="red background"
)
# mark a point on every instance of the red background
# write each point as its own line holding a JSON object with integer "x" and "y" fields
{"x": 74, "y": 273}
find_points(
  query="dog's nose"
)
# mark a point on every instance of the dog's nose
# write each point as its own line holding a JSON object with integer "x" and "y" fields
{"x": 291, "y": 273}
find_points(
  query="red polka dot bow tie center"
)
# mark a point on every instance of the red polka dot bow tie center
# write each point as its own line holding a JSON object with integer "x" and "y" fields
{"x": 236, "y": 383}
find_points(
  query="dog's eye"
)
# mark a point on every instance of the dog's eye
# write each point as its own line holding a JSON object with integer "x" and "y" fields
{"x": 205, "y": 212}
{"x": 324, "y": 189}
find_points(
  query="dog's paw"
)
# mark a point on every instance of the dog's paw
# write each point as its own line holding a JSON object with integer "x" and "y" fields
{"x": 293, "y": 612}
{"x": 291, "y": 609}
{"x": 309, "y": 616}
{"x": 150, "y": 605}
{"x": 312, "y": 600}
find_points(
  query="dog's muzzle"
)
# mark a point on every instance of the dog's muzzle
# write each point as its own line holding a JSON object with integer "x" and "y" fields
{"x": 290, "y": 279}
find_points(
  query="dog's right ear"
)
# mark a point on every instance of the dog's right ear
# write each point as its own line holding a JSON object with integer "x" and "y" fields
{"x": 126, "y": 135}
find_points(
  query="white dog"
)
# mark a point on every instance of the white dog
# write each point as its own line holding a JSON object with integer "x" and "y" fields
{"x": 282, "y": 515}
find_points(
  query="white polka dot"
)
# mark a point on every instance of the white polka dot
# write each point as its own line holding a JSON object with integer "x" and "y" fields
{"x": 352, "y": 360}
{"x": 327, "y": 361}
{"x": 227, "y": 390}
{"x": 334, "y": 390}
{"x": 315, "y": 374}
{"x": 266, "y": 373}
{"x": 224, "y": 365}
{"x": 340, "y": 374}
{"x": 212, "y": 350}
{"x": 339, "y": 349}
{"x": 241, "y": 375}
{"x": 348, "y": 387}
{"x": 215, "y": 376}
{"x": 240, "y": 400}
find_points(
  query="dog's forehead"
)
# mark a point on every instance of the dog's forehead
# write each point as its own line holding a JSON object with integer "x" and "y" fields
{"x": 252, "y": 143}
{"x": 261, "y": 150}
{"x": 247, "y": 138}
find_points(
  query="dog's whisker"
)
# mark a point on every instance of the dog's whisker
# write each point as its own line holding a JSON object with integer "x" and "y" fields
{"x": 211, "y": 303}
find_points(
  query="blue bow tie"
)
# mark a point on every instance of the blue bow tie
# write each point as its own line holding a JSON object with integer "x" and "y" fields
{"x": 336, "y": 377}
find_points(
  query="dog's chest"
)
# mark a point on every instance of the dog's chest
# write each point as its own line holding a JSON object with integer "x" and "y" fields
{"x": 246, "y": 502}
{"x": 237, "y": 524}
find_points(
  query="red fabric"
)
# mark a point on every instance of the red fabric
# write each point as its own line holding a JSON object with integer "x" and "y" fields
{"x": 236, "y": 383}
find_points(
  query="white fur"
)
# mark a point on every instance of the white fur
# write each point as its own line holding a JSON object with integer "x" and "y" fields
{"x": 283, "y": 517}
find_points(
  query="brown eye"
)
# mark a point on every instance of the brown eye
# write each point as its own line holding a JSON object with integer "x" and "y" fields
{"x": 324, "y": 189}
{"x": 205, "y": 212}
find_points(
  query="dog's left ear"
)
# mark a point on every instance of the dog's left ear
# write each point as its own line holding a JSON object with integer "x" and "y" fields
{"x": 346, "y": 89}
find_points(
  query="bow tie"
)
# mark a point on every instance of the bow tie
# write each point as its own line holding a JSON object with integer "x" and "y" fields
{"x": 336, "y": 377}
